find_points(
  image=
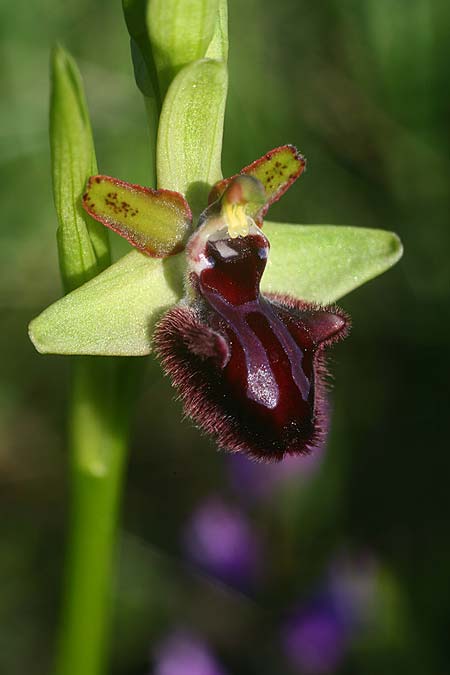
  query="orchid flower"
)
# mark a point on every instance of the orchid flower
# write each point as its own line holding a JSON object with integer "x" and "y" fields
{"x": 241, "y": 333}
{"x": 248, "y": 366}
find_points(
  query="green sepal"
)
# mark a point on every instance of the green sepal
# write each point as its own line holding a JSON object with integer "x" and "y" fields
{"x": 83, "y": 245}
{"x": 114, "y": 314}
{"x": 156, "y": 222}
{"x": 190, "y": 132}
{"x": 180, "y": 33}
{"x": 322, "y": 263}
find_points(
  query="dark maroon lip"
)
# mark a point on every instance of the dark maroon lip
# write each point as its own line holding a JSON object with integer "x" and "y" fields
{"x": 250, "y": 369}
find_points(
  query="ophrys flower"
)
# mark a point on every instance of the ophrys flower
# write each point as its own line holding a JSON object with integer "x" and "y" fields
{"x": 249, "y": 368}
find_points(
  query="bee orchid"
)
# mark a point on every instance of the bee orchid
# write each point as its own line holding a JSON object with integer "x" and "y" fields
{"x": 249, "y": 368}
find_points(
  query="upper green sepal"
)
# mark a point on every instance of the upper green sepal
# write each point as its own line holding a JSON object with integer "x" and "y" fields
{"x": 115, "y": 313}
{"x": 157, "y": 222}
{"x": 190, "y": 131}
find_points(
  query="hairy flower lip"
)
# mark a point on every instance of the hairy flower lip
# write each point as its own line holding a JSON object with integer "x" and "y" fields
{"x": 249, "y": 368}
{"x": 195, "y": 376}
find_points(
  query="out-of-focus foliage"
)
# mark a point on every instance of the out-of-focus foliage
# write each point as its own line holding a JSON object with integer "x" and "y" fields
{"x": 361, "y": 88}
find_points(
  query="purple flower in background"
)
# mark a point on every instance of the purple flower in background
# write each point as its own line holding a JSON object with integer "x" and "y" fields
{"x": 317, "y": 635}
{"x": 185, "y": 654}
{"x": 219, "y": 538}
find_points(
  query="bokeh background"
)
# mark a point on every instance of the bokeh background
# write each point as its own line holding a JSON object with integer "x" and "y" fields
{"x": 335, "y": 565}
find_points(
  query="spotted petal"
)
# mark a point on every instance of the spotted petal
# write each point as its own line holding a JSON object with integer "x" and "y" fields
{"x": 156, "y": 222}
{"x": 277, "y": 170}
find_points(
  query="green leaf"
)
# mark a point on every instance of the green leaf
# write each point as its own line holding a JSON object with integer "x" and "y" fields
{"x": 190, "y": 132}
{"x": 180, "y": 33}
{"x": 322, "y": 263}
{"x": 113, "y": 314}
{"x": 83, "y": 244}
{"x": 156, "y": 222}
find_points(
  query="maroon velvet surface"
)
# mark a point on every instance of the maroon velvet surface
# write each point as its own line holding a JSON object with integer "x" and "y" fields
{"x": 254, "y": 375}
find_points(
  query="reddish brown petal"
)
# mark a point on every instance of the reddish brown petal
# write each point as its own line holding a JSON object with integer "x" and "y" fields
{"x": 277, "y": 170}
{"x": 156, "y": 222}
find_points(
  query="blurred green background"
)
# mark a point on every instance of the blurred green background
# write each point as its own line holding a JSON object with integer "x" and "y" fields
{"x": 361, "y": 87}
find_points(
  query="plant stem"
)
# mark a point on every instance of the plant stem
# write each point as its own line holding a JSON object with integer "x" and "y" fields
{"x": 98, "y": 433}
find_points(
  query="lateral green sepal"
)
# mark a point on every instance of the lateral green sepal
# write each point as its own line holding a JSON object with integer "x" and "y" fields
{"x": 322, "y": 263}
{"x": 115, "y": 313}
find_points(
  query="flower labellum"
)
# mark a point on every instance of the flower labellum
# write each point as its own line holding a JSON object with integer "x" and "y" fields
{"x": 249, "y": 368}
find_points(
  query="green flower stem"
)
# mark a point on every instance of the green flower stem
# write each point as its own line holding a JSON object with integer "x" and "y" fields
{"x": 98, "y": 434}
{"x": 100, "y": 398}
